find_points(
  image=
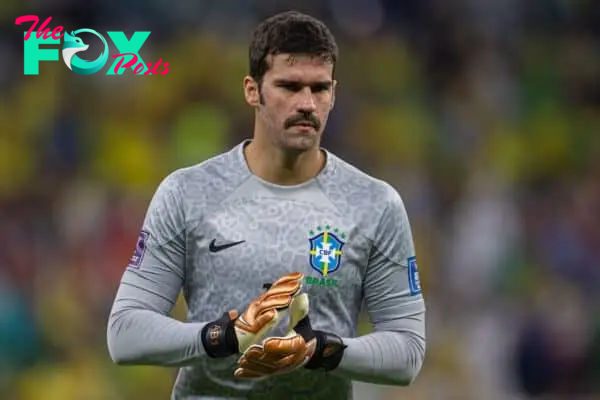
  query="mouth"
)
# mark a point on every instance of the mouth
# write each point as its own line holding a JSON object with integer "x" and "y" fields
{"x": 304, "y": 128}
{"x": 304, "y": 125}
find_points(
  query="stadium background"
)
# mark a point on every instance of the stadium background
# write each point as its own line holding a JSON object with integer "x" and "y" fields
{"x": 484, "y": 115}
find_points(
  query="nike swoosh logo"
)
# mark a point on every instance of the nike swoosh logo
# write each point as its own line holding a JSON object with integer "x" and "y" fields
{"x": 215, "y": 248}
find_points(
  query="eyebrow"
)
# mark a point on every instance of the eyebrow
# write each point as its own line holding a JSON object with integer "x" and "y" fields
{"x": 326, "y": 83}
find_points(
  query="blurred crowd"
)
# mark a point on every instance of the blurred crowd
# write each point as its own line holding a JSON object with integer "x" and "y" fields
{"x": 483, "y": 114}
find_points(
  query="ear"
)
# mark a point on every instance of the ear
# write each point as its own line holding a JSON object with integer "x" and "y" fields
{"x": 251, "y": 92}
{"x": 333, "y": 87}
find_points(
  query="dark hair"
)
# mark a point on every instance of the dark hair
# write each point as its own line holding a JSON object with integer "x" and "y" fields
{"x": 290, "y": 32}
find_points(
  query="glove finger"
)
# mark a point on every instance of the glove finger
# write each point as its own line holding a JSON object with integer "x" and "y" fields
{"x": 288, "y": 362}
{"x": 253, "y": 324}
{"x": 298, "y": 310}
{"x": 275, "y": 301}
{"x": 266, "y": 319}
{"x": 289, "y": 285}
{"x": 284, "y": 346}
{"x": 254, "y": 352}
{"x": 258, "y": 362}
{"x": 256, "y": 357}
{"x": 249, "y": 335}
{"x": 279, "y": 296}
{"x": 263, "y": 312}
{"x": 245, "y": 373}
{"x": 257, "y": 366}
{"x": 270, "y": 364}
{"x": 292, "y": 279}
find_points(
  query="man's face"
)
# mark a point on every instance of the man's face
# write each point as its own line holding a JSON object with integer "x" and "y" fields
{"x": 295, "y": 99}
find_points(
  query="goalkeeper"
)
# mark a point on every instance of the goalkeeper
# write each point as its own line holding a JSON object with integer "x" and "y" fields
{"x": 276, "y": 243}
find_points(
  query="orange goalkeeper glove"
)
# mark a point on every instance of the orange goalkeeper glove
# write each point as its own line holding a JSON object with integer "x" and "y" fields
{"x": 301, "y": 347}
{"x": 233, "y": 334}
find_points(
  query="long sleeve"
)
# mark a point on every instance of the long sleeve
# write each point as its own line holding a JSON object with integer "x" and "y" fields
{"x": 390, "y": 356}
{"x": 140, "y": 330}
{"x": 394, "y": 352}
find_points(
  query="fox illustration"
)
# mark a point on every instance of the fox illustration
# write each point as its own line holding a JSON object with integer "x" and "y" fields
{"x": 72, "y": 45}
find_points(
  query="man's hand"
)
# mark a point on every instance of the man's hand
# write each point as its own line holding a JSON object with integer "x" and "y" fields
{"x": 301, "y": 347}
{"x": 233, "y": 334}
{"x": 278, "y": 355}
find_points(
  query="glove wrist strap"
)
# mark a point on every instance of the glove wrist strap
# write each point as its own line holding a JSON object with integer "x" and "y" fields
{"x": 330, "y": 347}
{"x": 329, "y": 352}
{"x": 218, "y": 338}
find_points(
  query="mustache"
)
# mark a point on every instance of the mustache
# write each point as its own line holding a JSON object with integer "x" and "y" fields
{"x": 303, "y": 119}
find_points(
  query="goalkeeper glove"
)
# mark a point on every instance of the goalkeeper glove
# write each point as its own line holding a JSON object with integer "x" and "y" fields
{"x": 301, "y": 347}
{"x": 233, "y": 334}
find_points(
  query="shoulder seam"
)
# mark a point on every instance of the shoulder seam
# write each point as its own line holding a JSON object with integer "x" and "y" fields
{"x": 377, "y": 249}
{"x": 177, "y": 200}
{"x": 364, "y": 234}
{"x": 387, "y": 206}
{"x": 381, "y": 216}
{"x": 210, "y": 206}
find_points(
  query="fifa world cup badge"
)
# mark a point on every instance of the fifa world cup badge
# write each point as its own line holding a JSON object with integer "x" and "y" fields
{"x": 413, "y": 277}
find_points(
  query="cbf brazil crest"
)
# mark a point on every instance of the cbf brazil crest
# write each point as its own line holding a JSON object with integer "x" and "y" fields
{"x": 326, "y": 250}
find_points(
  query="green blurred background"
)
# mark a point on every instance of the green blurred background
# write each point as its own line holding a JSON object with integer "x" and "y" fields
{"x": 484, "y": 114}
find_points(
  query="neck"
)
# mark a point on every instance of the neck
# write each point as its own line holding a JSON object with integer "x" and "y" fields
{"x": 277, "y": 166}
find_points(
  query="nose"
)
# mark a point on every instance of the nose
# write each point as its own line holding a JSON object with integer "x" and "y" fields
{"x": 306, "y": 101}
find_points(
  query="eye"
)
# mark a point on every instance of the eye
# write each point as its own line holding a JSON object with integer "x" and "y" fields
{"x": 291, "y": 86}
{"x": 319, "y": 88}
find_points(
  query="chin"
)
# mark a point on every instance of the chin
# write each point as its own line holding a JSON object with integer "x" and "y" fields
{"x": 302, "y": 141}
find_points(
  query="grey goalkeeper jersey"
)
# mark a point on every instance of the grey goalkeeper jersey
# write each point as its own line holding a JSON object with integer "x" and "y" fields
{"x": 219, "y": 233}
